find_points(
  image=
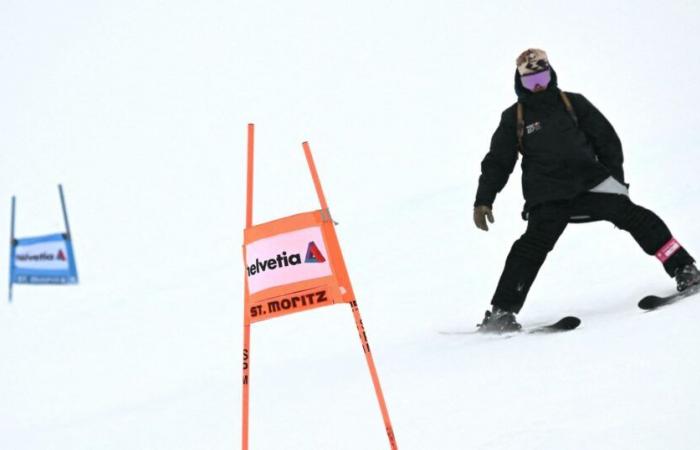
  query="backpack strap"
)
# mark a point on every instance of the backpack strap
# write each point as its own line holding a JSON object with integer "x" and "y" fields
{"x": 569, "y": 107}
{"x": 520, "y": 126}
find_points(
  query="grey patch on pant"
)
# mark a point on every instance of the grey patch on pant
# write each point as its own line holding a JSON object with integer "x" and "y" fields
{"x": 611, "y": 186}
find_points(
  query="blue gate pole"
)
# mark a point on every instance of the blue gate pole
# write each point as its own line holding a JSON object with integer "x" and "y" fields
{"x": 69, "y": 237}
{"x": 63, "y": 207}
{"x": 12, "y": 248}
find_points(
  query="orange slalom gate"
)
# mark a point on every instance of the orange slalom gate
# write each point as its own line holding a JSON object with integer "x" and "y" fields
{"x": 295, "y": 264}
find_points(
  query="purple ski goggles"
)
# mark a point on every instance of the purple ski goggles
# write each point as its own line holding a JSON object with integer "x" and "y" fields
{"x": 532, "y": 81}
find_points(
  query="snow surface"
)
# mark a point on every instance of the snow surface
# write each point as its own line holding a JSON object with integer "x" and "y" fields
{"x": 140, "y": 109}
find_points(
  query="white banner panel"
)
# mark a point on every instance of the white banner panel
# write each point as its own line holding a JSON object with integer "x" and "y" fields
{"x": 286, "y": 258}
{"x": 52, "y": 255}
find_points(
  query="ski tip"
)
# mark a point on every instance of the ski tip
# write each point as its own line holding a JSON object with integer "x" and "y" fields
{"x": 568, "y": 323}
{"x": 649, "y": 302}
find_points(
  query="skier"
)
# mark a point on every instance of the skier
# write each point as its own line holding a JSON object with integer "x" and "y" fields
{"x": 572, "y": 173}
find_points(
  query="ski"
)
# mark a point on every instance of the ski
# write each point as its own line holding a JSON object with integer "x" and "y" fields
{"x": 651, "y": 302}
{"x": 567, "y": 323}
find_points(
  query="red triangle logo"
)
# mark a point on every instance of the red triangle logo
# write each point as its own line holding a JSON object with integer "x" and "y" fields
{"x": 61, "y": 255}
{"x": 313, "y": 254}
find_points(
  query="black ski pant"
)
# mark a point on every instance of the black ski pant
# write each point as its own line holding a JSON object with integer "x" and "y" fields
{"x": 546, "y": 222}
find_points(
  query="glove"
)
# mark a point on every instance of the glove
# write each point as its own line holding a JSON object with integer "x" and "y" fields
{"x": 480, "y": 214}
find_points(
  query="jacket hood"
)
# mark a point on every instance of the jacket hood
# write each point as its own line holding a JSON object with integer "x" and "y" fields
{"x": 525, "y": 94}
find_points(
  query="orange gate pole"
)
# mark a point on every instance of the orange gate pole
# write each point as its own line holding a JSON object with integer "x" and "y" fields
{"x": 246, "y": 318}
{"x": 249, "y": 190}
{"x": 355, "y": 310}
{"x": 375, "y": 377}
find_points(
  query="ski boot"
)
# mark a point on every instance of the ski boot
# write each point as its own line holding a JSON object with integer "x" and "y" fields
{"x": 499, "y": 321}
{"x": 686, "y": 277}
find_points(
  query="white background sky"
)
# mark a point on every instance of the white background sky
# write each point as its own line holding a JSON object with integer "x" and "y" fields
{"x": 134, "y": 92}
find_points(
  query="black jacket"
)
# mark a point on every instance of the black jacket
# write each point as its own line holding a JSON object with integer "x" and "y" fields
{"x": 560, "y": 159}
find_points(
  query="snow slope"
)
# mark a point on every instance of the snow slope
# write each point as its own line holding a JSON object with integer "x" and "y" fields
{"x": 139, "y": 108}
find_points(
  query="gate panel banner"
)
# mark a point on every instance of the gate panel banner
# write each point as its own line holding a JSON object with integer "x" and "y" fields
{"x": 286, "y": 258}
{"x": 293, "y": 264}
{"x": 43, "y": 260}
